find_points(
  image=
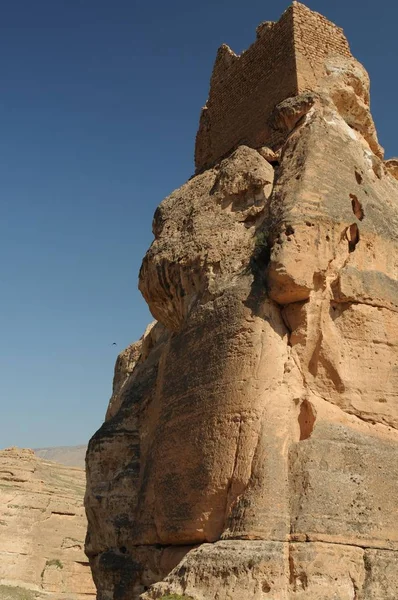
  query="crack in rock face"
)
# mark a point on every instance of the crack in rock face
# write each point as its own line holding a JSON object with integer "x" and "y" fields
{"x": 250, "y": 447}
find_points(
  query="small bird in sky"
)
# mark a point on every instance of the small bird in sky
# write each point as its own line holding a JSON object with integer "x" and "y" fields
{"x": 114, "y": 344}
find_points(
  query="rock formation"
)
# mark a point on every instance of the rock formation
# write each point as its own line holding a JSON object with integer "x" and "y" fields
{"x": 42, "y": 529}
{"x": 250, "y": 449}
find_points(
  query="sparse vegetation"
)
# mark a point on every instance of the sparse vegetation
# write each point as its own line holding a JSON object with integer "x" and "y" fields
{"x": 9, "y": 592}
{"x": 54, "y": 562}
{"x": 261, "y": 252}
{"x": 261, "y": 239}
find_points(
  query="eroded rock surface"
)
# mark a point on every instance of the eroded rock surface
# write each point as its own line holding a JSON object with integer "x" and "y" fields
{"x": 251, "y": 450}
{"x": 42, "y": 529}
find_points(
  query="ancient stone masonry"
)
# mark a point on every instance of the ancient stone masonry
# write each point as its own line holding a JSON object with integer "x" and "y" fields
{"x": 289, "y": 57}
{"x": 250, "y": 448}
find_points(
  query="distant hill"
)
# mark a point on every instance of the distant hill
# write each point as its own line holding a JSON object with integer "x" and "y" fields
{"x": 70, "y": 456}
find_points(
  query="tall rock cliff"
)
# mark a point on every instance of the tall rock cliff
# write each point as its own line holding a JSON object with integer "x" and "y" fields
{"x": 250, "y": 448}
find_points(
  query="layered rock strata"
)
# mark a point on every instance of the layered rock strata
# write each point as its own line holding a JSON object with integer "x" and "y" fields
{"x": 42, "y": 529}
{"x": 250, "y": 447}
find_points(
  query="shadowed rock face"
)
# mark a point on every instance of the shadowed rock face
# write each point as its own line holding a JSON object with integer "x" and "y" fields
{"x": 250, "y": 448}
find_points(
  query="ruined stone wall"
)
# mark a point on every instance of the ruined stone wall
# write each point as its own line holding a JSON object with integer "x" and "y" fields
{"x": 244, "y": 90}
{"x": 286, "y": 59}
{"x": 315, "y": 39}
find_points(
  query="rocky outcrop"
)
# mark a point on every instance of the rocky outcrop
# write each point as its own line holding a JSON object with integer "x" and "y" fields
{"x": 391, "y": 166}
{"x": 42, "y": 526}
{"x": 251, "y": 451}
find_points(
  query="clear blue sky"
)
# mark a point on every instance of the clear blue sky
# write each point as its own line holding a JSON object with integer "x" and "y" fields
{"x": 99, "y": 104}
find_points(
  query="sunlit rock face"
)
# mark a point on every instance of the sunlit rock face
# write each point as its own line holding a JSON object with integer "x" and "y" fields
{"x": 250, "y": 448}
{"x": 42, "y": 529}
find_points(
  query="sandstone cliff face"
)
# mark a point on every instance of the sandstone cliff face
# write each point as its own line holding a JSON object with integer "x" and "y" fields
{"x": 42, "y": 529}
{"x": 251, "y": 448}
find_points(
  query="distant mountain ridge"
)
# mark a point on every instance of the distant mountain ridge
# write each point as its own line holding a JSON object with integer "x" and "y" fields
{"x": 70, "y": 456}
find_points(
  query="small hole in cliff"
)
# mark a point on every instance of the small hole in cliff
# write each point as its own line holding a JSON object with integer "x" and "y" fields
{"x": 266, "y": 587}
{"x": 123, "y": 549}
{"x": 358, "y": 177}
{"x": 352, "y": 237}
{"x": 289, "y": 230}
{"x": 357, "y": 207}
{"x": 306, "y": 420}
{"x": 250, "y": 220}
{"x": 262, "y": 253}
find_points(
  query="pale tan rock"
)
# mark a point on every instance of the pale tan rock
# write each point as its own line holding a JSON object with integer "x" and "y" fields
{"x": 248, "y": 569}
{"x": 268, "y": 154}
{"x": 251, "y": 450}
{"x": 204, "y": 233}
{"x": 391, "y": 166}
{"x": 280, "y": 571}
{"x": 347, "y": 84}
{"x": 42, "y": 528}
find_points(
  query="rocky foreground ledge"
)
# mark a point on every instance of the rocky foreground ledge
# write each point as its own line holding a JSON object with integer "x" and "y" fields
{"x": 42, "y": 530}
{"x": 250, "y": 448}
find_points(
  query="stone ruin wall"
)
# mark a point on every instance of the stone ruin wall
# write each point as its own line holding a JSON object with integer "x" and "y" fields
{"x": 244, "y": 92}
{"x": 286, "y": 59}
{"x": 315, "y": 39}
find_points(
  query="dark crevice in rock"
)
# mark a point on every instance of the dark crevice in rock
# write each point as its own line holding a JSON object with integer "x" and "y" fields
{"x": 291, "y": 569}
{"x": 306, "y": 419}
{"x": 352, "y": 237}
{"x": 229, "y": 499}
{"x": 298, "y": 581}
{"x": 287, "y": 325}
{"x": 357, "y": 207}
{"x": 355, "y": 588}
{"x": 313, "y": 364}
{"x": 289, "y": 230}
{"x": 358, "y": 177}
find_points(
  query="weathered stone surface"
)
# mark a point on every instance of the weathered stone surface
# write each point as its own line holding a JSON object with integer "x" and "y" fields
{"x": 289, "y": 57}
{"x": 280, "y": 571}
{"x": 258, "y": 431}
{"x": 42, "y": 525}
{"x": 204, "y": 234}
{"x": 248, "y": 570}
{"x": 391, "y": 166}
